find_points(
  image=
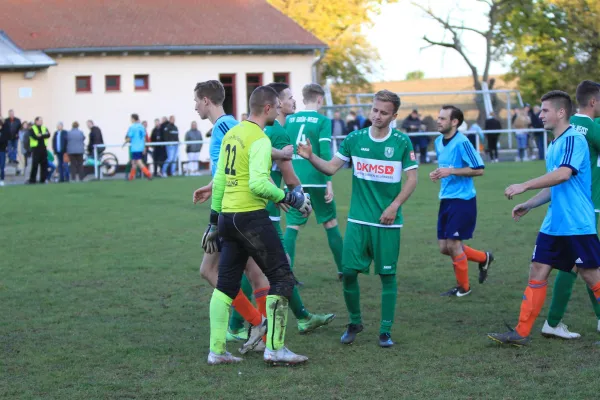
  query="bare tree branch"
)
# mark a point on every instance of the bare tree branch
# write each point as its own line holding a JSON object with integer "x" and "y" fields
{"x": 466, "y": 28}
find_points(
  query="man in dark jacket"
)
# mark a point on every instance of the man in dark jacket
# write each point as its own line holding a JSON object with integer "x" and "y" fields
{"x": 536, "y": 123}
{"x": 412, "y": 124}
{"x": 171, "y": 134}
{"x": 59, "y": 144}
{"x": 38, "y": 141}
{"x": 11, "y": 128}
{"x": 159, "y": 154}
{"x": 95, "y": 138}
{"x": 492, "y": 124}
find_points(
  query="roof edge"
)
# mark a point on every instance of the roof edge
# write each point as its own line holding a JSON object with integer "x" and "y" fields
{"x": 283, "y": 47}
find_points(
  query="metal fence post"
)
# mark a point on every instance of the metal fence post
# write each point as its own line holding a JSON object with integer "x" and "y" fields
{"x": 96, "y": 175}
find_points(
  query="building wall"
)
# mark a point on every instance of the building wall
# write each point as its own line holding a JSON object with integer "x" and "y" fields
{"x": 171, "y": 80}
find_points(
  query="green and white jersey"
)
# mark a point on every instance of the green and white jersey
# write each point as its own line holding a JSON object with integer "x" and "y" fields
{"x": 377, "y": 180}
{"x": 279, "y": 139}
{"x": 591, "y": 130}
{"x": 317, "y": 128}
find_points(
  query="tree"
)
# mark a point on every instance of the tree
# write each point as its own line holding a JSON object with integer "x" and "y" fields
{"x": 494, "y": 13}
{"x": 554, "y": 44}
{"x": 338, "y": 23}
{"x": 415, "y": 75}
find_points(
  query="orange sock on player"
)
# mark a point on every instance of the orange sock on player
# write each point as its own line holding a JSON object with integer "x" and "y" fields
{"x": 596, "y": 290}
{"x": 146, "y": 172}
{"x": 246, "y": 309}
{"x": 461, "y": 270}
{"x": 260, "y": 295}
{"x": 474, "y": 255}
{"x": 132, "y": 174}
{"x": 533, "y": 301}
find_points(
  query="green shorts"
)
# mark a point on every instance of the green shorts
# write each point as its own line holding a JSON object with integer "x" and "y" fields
{"x": 365, "y": 243}
{"x": 323, "y": 211}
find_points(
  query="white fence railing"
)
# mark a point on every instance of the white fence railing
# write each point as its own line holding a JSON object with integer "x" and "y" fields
{"x": 206, "y": 142}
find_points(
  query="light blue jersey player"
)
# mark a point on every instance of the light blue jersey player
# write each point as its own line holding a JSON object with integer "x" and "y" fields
{"x": 221, "y": 126}
{"x": 458, "y": 164}
{"x": 567, "y": 237}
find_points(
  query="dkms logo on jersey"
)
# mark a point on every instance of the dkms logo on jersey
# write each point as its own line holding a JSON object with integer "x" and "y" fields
{"x": 377, "y": 170}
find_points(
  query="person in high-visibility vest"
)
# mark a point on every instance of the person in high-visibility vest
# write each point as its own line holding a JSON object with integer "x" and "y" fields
{"x": 39, "y": 139}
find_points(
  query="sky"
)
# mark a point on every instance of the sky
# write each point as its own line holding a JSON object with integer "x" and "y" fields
{"x": 398, "y": 36}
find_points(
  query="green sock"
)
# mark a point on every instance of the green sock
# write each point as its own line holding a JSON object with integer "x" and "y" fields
{"x": 297, "y": 306}
{"x": 595, "y": 303}
{"x": 336, "y": 244}
{"x": 219, "y": 313}
{"x": 352, "y": 295}
{"x": 277, "y": 312}
{"x": 289, "y": 242}
{"x": 389, "y": 293}
{"x": 236, "y": 322}
{"x": 561, "y": 294}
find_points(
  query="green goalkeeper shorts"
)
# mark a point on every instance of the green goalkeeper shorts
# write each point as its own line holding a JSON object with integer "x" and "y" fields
{"x": 323, "y": 211}
{"x": 365, "y": 243}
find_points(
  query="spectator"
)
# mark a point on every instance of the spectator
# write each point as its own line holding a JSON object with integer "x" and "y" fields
{"x": 11, "y": 128}
{"x": 367, "y": 123}
{"x": 75, "y": 150}
{"x": 159, "y": 153}
{"x": 39, "y": 139}
{"x": 172, "y": 135}
{"x": 478, "y": 132}
{"x": 536, "y": 123}
{"x": 51, "y": 165}
{"x": 146, "y": 150}
{"x": 59, "y": 143}
{"x": 95, "y": 139}
{"x": 351, "y": 122}
{"x": 520, "y": 122}
{"x": 411, "y": 125}
{"x": 24, "y": 154}
{"x": 4, "y": 138}
{"x": 360, "y": 118}
{"x": 492, "y": 124}
{"x": 338, "y": 127}
{"x": 193, "y": 150}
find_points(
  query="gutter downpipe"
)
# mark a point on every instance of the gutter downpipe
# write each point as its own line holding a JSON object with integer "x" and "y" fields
{"x": 317, "y": 60}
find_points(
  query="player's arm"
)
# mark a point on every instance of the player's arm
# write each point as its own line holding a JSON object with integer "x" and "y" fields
{"x": 259, "y": 182}
{"x": 284, "y": 154}
{"x": 202, "y": 194}
{"x": 326, "y": 167}
{"x": 576, "y": 148}
{"x": 289, "y": 175}
{"x": 218, "y": 186}
{"x": 408, "y": 187}
{"x": 470, "y": 157}
{"x": 593, "y": 138}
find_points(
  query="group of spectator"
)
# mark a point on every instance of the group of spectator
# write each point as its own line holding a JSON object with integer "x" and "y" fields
{"x": 528, "y": 118}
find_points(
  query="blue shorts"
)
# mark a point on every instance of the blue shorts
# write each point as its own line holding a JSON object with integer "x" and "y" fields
{"x": 457, "y": 219}
{"x": 565, "y": 252}
{"x": 137, "y": 155}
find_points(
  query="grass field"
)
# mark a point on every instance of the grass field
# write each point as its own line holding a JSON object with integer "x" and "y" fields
{"x": 101, "y": 299}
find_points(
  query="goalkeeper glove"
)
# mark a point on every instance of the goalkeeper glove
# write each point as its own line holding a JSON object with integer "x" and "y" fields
{"x": 299, "y": 200}
{"x": 211, "y": 235}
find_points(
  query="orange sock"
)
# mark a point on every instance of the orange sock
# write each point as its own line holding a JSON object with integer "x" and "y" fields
{"x": 146, "y": 172}
{"x": 596, "y": 290}
{"x": 260, "y": 295}
{"x": 533, "y": 301}
{"x": 461, "y": 270}
{"x": 474, "y": 255}
{"x": 132, "y": 174}
{"x": 246, "y": 309}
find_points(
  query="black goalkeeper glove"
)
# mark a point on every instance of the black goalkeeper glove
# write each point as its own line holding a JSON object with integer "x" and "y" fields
{"x": 211, "y": 235}
{"x": 299, "y": 200}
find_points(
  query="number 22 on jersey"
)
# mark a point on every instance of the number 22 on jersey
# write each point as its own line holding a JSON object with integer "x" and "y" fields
{"x": 231, "y": 151}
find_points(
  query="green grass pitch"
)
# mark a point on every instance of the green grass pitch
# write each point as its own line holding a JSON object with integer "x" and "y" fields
{"x": 101, "y": 298}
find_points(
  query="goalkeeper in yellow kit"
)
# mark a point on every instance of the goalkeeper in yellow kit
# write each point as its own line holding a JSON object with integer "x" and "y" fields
{"x": 241, "y": 190}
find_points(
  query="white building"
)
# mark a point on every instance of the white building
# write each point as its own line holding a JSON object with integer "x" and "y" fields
{"x": 99, "y": 60}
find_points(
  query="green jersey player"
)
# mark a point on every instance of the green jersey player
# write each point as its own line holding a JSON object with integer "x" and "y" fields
{"x": 303, "y": 125}
{"x": 379, "y": 154}
{"x": 588, "y": 98}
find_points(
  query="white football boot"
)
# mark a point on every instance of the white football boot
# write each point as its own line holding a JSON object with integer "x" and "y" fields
{"x": 255, "y": 335}
{"x": 226, "y": 358}
{"x": 561, "y": 331}
{"x": 283, "y": 356}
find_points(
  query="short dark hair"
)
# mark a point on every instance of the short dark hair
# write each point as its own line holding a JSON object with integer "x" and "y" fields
{"x": 585, "y": 91}
{"x": 455, "y": 113}
{"x": 135, "y": 117}
{"x": 260, "y": 97}
{"x": 560, "y": 100}
{"x": 75, "y": 125}
{"x": 390, "y": 97}
{"x": 213, "y": 90}
{"x": 37, "y": 119}
{"x": 278, "y": 86}
{"x": 311, "y": 91}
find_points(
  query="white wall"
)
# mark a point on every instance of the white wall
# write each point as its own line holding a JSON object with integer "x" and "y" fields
{"x": 172, "y": 80}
